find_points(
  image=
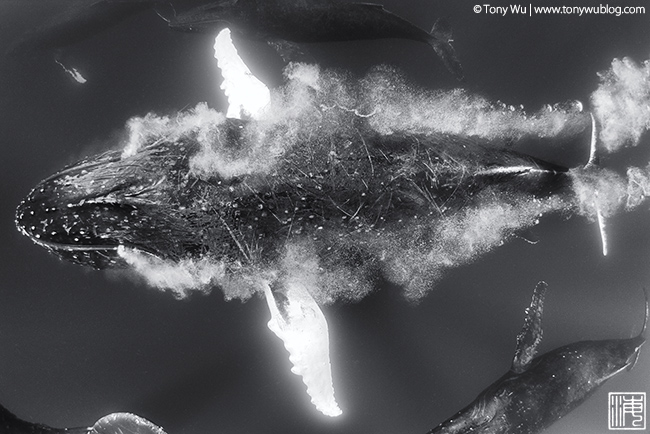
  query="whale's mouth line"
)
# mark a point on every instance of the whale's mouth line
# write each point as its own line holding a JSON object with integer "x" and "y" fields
{"x": 73, "y": 247}
{"x": 90, "y": 248}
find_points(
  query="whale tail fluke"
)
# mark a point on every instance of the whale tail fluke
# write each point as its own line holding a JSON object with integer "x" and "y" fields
{"x": 441, "y": 39}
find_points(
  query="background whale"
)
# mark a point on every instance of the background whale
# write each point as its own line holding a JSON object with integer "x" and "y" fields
{"x": 538, "y": 391}
{"x": 282, "y": 22}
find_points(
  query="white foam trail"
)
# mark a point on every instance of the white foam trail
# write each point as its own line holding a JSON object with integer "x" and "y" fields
{"x": 200, "y": 123}
{"x": 601, "y": 193}
{"x": 400, "y": 107}
{"x": 598, "y": 191}
{"x": 247, "y": 95}
{"x": 638, "y": 186}
{"x": 180, "y": 278}
{"x": 298, "y": 321}
{"x": 424, "y": 251}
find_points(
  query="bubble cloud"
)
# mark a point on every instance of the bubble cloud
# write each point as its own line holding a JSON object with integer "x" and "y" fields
{"x": 318, "y": 113}
{"x": 622, "y": 103}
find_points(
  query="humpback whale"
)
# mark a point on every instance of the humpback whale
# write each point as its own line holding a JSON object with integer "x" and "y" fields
{"x": 282, "y": 22}
{"x": 343, "y": 195}
{"x": 537, "y": 391}
{"x": 114, "y": 423}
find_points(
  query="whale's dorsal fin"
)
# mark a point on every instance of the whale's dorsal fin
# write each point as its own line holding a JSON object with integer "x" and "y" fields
{"x": 531, "y": 334}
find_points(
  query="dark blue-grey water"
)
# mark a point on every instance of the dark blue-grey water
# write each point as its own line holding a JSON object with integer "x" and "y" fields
{"x": 78, "y": 344}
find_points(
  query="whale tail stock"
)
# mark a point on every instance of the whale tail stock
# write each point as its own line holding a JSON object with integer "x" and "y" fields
{"x": 441, "y": 39}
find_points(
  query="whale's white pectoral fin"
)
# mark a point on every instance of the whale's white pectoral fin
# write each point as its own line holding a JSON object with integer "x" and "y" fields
{"x": 297, "y": 319}
{"x": 246, "y": 94}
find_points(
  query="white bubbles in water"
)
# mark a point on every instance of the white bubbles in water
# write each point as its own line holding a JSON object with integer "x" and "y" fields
{"x": 317, "y": 107}
{"x": 201, "y": 122}
{"x": 178, "y": 277}
{"x": 622, "y": 103}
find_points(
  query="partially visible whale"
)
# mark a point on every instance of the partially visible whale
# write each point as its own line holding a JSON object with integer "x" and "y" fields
{"x": 537, "y": 391}
{"x": 11, "y": 424}
{"x": 114, "y": 423}
{"x": 299, "y": 21}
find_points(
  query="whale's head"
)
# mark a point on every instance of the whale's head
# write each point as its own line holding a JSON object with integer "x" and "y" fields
{"x": 147, "y": 201}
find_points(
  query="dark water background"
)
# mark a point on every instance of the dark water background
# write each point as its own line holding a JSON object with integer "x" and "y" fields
{"x": 77, "y": 344}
